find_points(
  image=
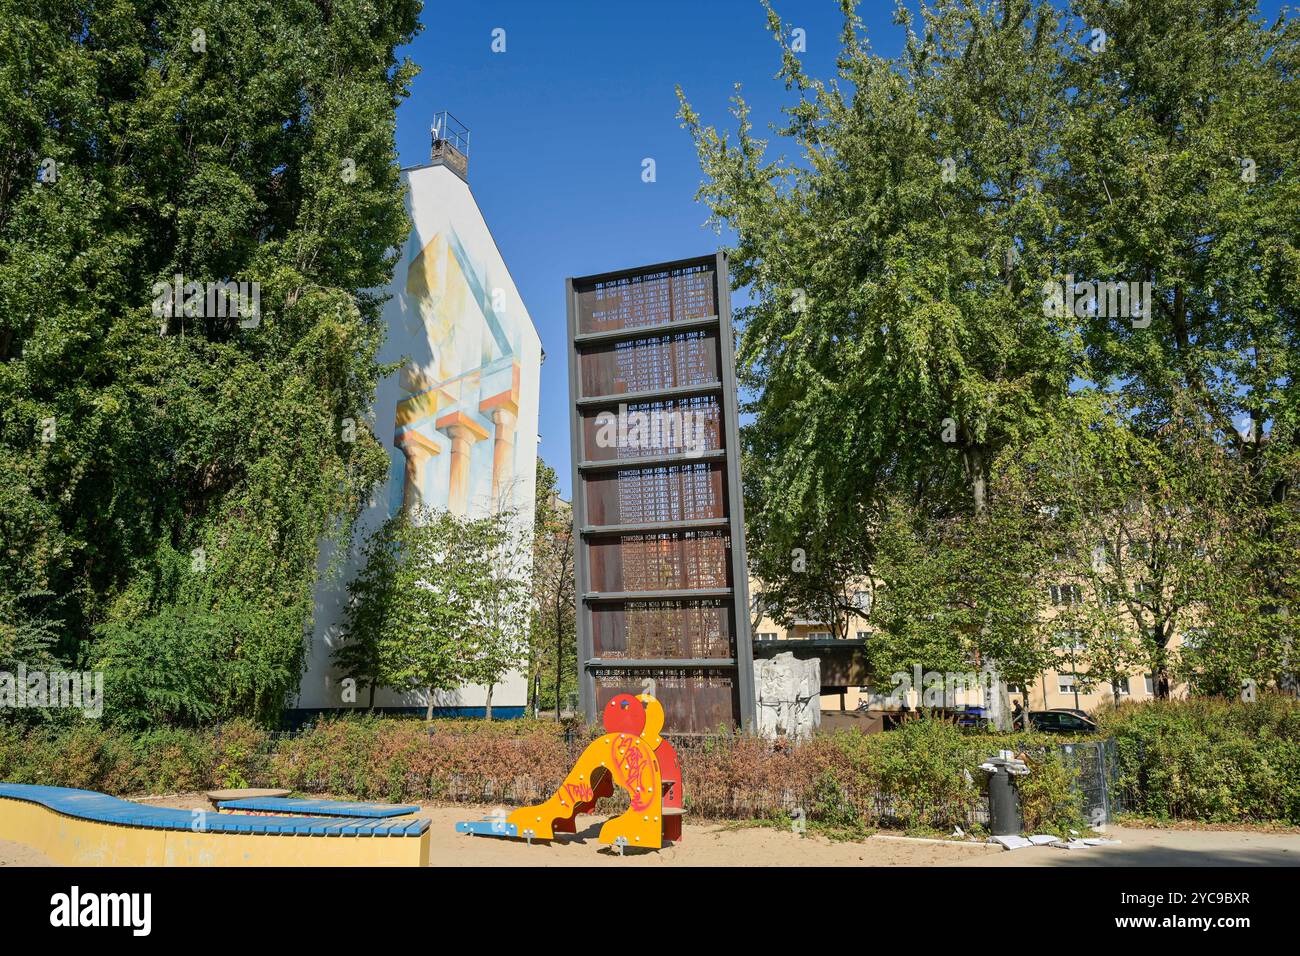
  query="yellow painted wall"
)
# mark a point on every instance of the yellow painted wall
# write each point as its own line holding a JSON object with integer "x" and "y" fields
{"x": 74, "y": 842}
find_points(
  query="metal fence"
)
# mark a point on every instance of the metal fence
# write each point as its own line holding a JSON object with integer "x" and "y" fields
{"x": 1096, "y": 767}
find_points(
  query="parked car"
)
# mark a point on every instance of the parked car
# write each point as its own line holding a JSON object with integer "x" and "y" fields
{"x": 1061, "y": 722}
{"x": 1071, "y": 710}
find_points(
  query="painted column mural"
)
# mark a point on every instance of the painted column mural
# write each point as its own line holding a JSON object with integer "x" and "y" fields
{"x": 464, "y": 388}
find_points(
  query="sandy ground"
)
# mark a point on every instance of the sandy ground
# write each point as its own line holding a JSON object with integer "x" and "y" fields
{"x": 721, "y": 845}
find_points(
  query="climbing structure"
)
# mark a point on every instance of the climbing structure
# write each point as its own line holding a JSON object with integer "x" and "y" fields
{"x": 632, "y": 754}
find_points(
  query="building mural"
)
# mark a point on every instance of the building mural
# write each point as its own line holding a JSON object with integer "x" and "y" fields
{"x": 462, "y": 389}
{"x": 461, "y": 413}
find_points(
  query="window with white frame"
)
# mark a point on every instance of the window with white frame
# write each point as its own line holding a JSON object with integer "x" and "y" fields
{"x": 1067, "y": 683}
{"x": 862, "y": 601}
{"x": 1150, "y": 683}
{"x": 1065, "y": 593}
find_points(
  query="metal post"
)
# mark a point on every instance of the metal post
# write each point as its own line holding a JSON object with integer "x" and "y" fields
{"x": 744, "y": 650}
{"x": 581, "y": 615}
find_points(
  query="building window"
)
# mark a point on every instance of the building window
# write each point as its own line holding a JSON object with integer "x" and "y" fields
{"x": 1151, "y": 684}
{"x": 1066, "y": 683}
{"x": 862, "y": 601}
{"x": 1194, "y": 638}
{"x": 1121, "y": 686}
{"x": 1099, "y": 558}
{"x": 767, "y": 635}
{"x": 819, "y": 635}
{"x": 862, "y": 635}
{"x": 1065, "y": 593}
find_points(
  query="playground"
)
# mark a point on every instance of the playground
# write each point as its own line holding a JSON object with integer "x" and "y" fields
{"x": 617, "y": 796}
{"x": 721, "y": 844}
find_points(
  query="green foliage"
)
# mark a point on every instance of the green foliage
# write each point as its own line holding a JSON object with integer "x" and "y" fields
{"x": 440, "y": 601}
{"x": 27, "y": 632}
{"x": 552, "y": 666}
{"x": 1049, "y": 799}
{"x": 1211, "y": 760}
{"x": 961, "y": 592}
{"x": 178, "y": 473}
{"x": 916, "y": 405}
{"x": 193, "y": 666}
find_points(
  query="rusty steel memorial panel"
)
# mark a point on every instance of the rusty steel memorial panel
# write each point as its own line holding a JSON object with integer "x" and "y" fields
{"x": 658, "y": 521}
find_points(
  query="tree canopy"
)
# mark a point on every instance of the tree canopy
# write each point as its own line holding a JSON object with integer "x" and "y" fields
{"x": 1035, "y": 270}
{"x": 169, "y": 477}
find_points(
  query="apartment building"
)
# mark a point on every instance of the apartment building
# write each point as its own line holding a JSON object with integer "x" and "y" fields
{"x": 1059, "y": 687}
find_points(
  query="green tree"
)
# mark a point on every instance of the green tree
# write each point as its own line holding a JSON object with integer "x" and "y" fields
{"x": 1148, "y": 540}
{"x": 553, "y": 629}
{"x": 425, "y": 612}
{"x": 1183, "y": 138}
{"x": 501, "y": 640}
{"x": 28, "y": 631}
{"x": 896, "y": 343}
{"x": 961, "y": 595}
{"x": 183, "y": 468}
{"x": 814, "y": 573}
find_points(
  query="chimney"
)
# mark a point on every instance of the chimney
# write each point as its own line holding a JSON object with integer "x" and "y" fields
{"x": 450, "y": 144}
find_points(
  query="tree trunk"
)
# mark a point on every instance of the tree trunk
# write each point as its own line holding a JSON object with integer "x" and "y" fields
{"x": 487, "y": 707}
{"x": 976, "y": 472}
{"x": 428, "y": 711}
{"x": 372, "y": 697}
{"x": 559, "y": 655}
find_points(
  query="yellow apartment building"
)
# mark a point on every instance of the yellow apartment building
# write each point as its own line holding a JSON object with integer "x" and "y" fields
{"x": 1054, "y": 689}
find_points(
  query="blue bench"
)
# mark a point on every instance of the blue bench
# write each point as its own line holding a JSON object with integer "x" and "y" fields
{"x": 320, "y": 808}
{"x": 101, "y": 808}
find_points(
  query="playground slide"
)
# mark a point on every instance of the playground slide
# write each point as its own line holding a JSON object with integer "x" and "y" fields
{"x": 628, "y": 754}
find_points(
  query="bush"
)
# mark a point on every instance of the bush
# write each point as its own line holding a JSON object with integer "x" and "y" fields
{"x": 1209, "y": 759}
{"x": 924, "y": 776}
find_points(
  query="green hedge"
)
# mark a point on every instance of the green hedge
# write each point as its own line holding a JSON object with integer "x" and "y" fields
{"x": 1211, "y": 760}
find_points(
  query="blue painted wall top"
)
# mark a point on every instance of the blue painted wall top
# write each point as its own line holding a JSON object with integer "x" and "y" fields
{"x": 101, "y": 808}
{"x": 327, "y": 808}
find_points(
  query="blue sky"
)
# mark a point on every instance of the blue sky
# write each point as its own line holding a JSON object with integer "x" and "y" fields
{"x": 561, "y": 121}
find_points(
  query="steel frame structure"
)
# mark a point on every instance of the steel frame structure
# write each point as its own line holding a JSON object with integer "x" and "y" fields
{"x": 734, "y": 599}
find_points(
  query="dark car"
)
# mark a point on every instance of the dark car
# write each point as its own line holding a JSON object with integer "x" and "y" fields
{"x": 1060, "y": 722}
{"x": 1071, "y": 710}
